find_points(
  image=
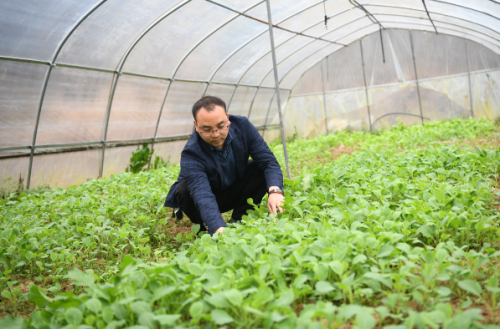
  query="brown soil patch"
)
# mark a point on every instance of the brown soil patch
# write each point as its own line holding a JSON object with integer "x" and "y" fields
{"x": 340, "y": 150}
{"x": 487, "y": 143}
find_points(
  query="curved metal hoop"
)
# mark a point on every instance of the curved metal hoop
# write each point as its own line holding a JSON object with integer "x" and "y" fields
{"x": 399, "y": 113}
{"x": 46, "y": 82}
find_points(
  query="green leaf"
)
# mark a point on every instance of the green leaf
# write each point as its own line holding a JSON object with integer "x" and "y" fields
{"x": 385, "y": 251}
{"x": 221, "y": 317}
{"x": 94, "y": 305}
{"x": 73, "y": 316}
{"x": 167, "y": 319}
{"x": 162, "y": 292}
{"x": 426, "y": 231}
{"x": 439, "y": 195}
{"x": 147, "y": 319}
{"x": 6, "y": 294}
{"x": 195, "y": 228}
{"x": 29, "y": 255}
{"x": 140, "y": 307}
{"x": 6, "y": 233}
{"x": 323, "y": 287}
{"x": 107, "y": 314}
{"x": 359, "y": 259}
{"x": 321, "y": 271}
{"x": 234, "y": 296}
{"x": 195, "y": 269}
{"x": 35, "y": 295}
{"x": 471, "y": 286}
{"x": 196, "y": 309}
{"x": 80, "y": 278}
{"x": 261, "y": 297}
{"x": 219, "y": 300}
{"x": 10, "y": 322}
{"x": 286, "y": 298}
{"x": 337, "y": 267}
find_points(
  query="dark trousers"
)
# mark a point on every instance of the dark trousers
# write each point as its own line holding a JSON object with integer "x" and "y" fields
{"x": 251, "y": 185}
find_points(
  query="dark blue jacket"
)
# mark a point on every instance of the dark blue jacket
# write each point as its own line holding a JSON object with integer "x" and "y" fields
{"x": 202, "y": 171}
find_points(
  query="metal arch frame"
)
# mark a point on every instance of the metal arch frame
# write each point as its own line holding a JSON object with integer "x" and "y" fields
{"x": 443, "y": 22}
{"x": 416, "y": 77}
{"x": 46, "y": 82}
{"x": 446, "y": 28}
{"x": 370, "y": 15}
{"x": 370, "y": 33}
{"x": 118, "y": 71}
{"x": 366, "y": 85}
{"x": 311, "y": 26}
{"x": 255, "y": 37}
{"x": 324, "y": 96}
{"x": 262, "y": 33}
{"x": 467, "y": 8}
{"x": 268, "y": 110}
{"x": 291, "y": 69}
{"x": 468, "y": 75}
{"x": 334, "y": 52}
{"x": 422, "y": 11}
{"x": 305, "y": 58}
{"x": 180, "y": 64}
{"x": 429, "y": 15}
{"x": 305, "y": 45}
{"x": 261, "y": 21}
{"x": 265, "y": 75}
{"x": 400, "y": 113}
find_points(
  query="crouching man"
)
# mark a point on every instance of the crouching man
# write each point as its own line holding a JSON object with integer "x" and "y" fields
{"x": 216, "y": 173}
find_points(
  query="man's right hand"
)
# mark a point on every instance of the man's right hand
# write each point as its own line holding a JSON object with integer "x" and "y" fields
{"x": 219, "y": 230}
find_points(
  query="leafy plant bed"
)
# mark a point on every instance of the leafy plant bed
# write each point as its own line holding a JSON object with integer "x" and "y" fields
{"x": 402, "y": 233}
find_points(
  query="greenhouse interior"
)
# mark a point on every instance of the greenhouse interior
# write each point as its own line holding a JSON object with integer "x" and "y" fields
{"x": 86, "y": 83}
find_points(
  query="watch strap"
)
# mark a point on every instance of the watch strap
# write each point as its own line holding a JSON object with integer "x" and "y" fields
{"x": 277, "y": 190}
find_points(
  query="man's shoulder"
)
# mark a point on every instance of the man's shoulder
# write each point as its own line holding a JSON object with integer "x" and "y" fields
{"x": 192, "y": 147}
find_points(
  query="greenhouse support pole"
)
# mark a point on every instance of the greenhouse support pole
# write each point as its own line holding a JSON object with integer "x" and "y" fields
{"x": 37, "y": 122}
{"x": 468, "y": 74}
{"x": 366, "y": 86}
{"x": 158, "y": 123}
{"x": 416, "y": 79}
{"x": 324, "y": 97}
{"x": 267, "y": 114}
{"x": 276, "y": 80}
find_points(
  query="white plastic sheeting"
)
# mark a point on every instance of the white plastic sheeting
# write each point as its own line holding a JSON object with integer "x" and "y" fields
{"x": 126, "y": 72}
{"x": 392, "y": 92}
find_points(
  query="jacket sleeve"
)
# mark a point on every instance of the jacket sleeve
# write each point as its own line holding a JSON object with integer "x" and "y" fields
{"x": 199, "y": 188}
{"x": 264, "y": 157}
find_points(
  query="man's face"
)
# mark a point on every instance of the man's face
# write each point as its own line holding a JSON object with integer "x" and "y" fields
{"x": 206, "y": 122}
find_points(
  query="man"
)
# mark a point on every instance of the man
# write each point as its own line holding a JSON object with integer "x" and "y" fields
{"x": 216, "y": 175}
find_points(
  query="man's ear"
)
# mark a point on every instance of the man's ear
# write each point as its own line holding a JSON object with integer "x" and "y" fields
{"x": 194, "y": 122}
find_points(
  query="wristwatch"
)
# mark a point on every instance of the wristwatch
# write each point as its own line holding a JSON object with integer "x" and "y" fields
{"x": 277, "y": 190}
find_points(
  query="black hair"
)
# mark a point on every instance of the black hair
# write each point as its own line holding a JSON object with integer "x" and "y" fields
{"x": 208, "y": 103}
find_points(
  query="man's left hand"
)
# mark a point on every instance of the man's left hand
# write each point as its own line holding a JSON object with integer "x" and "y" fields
{"x": 274, "y": 201}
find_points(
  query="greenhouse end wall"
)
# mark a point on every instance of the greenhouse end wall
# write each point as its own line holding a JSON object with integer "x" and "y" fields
{"x": 354, "y": 89}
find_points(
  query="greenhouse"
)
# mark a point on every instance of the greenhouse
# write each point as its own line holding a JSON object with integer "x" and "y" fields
{"x": 383, "y": 115}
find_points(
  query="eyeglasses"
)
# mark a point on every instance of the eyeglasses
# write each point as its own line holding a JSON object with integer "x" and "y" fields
{"x": 211, "y": 133}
